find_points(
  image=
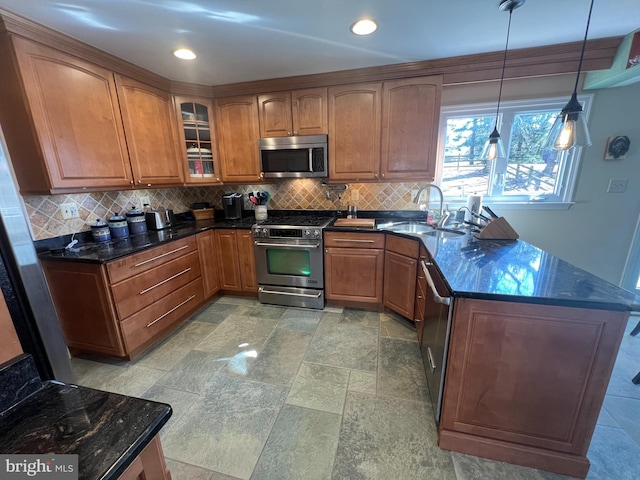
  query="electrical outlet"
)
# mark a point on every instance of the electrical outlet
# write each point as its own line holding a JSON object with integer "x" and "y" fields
{"x": 355, "y": 195}
{"x": 617, "y": 186}
{"x": 144, "y": 201}
{"x": 69, "y": 210}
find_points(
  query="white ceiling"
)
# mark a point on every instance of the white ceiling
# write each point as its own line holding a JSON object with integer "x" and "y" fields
{"x": 243, "y": 40}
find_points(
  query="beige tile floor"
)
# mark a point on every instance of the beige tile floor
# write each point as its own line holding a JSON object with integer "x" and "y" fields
{"x": 266, "y": 392}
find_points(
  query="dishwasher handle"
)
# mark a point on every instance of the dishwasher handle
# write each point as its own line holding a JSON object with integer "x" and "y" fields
{"x": 436, "y": 295}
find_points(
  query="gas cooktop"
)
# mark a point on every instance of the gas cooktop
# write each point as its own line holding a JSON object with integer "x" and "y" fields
{"x": 296, "y": 221}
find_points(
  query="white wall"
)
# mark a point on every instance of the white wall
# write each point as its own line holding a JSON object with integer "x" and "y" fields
{"x": 595, "y": 233}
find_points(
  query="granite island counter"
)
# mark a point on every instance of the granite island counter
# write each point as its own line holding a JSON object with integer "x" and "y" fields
{"x": 111, "y": 434}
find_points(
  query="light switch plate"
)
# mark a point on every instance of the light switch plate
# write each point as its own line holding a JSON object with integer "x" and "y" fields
{"x": 144, "y": 201}
{"x": 69, "y": 210}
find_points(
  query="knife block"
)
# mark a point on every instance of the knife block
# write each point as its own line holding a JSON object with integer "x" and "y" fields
{"x": 498, "y": 229}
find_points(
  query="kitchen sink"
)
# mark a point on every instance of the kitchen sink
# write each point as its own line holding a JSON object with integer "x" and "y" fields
{"x": 443, "y": 233}
{"x": 419, "y": 228}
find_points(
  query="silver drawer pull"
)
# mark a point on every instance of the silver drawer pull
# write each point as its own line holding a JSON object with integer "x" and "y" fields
{"x": 432, "y": 364}
{"x": 273, "y": 292}
{"x": 160, "y": 256}
{"x": 171, "y": 311}
{"x": 165, "y": 281}
{"x": 282, "y": 245}
{"x": 352, "y": 240}
{"x": 436, "y": 295}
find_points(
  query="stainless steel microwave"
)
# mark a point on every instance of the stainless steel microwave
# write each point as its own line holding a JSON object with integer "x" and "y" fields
{"x": 300, "y": 156}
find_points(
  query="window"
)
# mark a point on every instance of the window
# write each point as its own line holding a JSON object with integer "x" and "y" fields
{"x": 528, "y": 174}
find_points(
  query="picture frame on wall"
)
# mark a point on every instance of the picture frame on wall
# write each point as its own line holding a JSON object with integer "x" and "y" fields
{"x": 617, "y": 147}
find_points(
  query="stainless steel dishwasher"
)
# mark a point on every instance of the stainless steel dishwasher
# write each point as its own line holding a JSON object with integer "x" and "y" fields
{"x": 435, "y": 337}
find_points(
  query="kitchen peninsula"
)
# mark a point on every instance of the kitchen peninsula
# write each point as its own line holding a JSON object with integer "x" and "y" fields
{"x": 527, "y": 331}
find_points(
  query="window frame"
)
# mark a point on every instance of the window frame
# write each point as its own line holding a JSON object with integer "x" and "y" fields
{"x": 567, "y": 175}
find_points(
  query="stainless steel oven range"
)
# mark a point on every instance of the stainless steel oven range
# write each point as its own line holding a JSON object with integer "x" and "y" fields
{"x": 290, "y": 260}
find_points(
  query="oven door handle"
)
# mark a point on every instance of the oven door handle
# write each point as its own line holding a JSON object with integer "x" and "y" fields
{"x": 284, "y": 245}
{"x": 273, "y": 292}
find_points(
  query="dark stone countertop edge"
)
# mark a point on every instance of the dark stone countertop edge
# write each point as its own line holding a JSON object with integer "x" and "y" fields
{"x": 143, "y": 439}
{"x": 138, "y": 446}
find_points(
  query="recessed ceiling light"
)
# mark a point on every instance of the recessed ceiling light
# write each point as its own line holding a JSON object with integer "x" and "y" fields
{"x": 365, "y": 26}
{"x": 184, "y": 54}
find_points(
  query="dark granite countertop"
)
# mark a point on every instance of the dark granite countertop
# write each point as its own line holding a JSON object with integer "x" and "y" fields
{"x": 92, "y": 252}
{"x": 514, "y": 271}
{"x": 489, "y": 269}
{"x": 106, "y": 430}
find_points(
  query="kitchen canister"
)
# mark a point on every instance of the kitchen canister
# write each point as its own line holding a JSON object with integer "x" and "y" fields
{"x": 100, "y": 231}
{"x": 261, "y": 212}
{"x": 118, "y": 226}
{"x": 136, "y": 221}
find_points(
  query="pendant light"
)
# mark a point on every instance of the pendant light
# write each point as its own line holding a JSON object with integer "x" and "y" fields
{"x": 494, "y": 147}
{"x": 570, "y": 128}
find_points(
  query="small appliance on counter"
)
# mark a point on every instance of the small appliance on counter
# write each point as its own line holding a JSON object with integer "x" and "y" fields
{"x": 232, "y": 203}
{"x": 160, "y": 218}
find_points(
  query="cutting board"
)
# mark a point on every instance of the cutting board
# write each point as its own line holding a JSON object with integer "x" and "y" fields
{"x": 356, "y": 222}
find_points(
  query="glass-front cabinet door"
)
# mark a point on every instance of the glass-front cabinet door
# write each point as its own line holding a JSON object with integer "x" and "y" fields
{"x": 198, "y": 140}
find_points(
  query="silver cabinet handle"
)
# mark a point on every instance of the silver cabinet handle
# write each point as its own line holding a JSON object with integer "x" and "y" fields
{"x": 432, "y": 364}
{"x": 171, "y": 311}
{"x": 164, "y": 281}
{"x": 262, "y": 244}
{"x": 352, "y": 240}
{"x": 160, "y": 256}
{"x": 273, "y": 292}
{"x": 436, "y": 295}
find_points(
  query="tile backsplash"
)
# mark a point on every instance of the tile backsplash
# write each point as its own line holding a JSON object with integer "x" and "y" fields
{"x": 308, "y": 194}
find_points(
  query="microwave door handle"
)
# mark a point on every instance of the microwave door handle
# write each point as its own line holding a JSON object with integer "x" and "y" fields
{"x": 310, "y": 159}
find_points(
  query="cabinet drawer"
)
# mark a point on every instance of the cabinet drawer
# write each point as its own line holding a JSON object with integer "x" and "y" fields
{"x": 142, "y": 290}
{"x": 403, "y": 246}
{"x": 143, "y": 261}
{"x": 159, "y": 317}
{"x": 357, "y": 240}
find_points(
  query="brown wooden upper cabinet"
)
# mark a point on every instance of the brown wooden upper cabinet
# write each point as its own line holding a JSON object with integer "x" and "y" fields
{"x": 301, "y": 112}
{"x": 197, "y": 140}
{"x": 238, "y": 131}
{"x": 147, "y": 114}
{"x": 410, "y": 117}
{"x": 61, "y": 120}
{"x": 384, "y": 131}
{"x": 354, "y": 131}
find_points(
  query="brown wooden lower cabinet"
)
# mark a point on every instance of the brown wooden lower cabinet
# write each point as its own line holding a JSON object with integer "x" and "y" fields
{"x": 208, "y": 263}
{"x": 353, "y": 267}
{"x": 400, "y": 267}
{"x": 236, "y": 260}
{"x": 149, "y": 465}
{"x": 525, "y": 383}
{"x": 123, "y": 307}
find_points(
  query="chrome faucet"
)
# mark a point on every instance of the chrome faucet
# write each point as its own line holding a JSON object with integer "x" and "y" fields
{"x": 443, "y": 217}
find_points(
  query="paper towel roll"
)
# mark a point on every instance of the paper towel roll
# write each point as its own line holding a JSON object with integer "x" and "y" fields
{"x": 474, "y": 204}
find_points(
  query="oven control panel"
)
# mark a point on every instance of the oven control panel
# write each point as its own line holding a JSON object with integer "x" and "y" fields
{"x": 266, "y": 232}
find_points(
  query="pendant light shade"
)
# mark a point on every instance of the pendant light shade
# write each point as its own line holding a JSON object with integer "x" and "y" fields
{"x": 570, "y": 127}
{"x": 494, "y": 148}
